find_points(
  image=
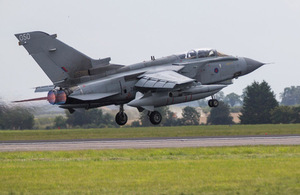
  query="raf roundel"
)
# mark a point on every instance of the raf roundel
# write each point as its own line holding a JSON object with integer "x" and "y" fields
{"x": 216, "y": 70}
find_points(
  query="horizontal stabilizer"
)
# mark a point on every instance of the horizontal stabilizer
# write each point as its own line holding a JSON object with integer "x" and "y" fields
{"x": 93, "y": 96}
{"x": 44, "y": 88}
{"x": 100, "y": 62}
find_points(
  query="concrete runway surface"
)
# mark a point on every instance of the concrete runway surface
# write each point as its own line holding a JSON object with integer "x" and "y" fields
{"x": 148, "y": 143}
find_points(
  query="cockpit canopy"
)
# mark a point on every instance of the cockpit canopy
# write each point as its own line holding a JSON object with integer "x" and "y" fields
{"x": 201, "y": 53}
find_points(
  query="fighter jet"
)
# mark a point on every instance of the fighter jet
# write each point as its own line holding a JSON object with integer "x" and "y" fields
{"x": 82, "y": 82}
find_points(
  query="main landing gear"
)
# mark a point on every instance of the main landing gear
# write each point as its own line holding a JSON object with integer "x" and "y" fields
{"x": 121, "y": 116}
{"x": 155, "y": 117}
{"x": 213, "y": 102}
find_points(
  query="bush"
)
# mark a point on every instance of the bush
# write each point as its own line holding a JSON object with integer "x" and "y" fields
{"x": 16, "y": 118}
{"x": 285, "y": 114}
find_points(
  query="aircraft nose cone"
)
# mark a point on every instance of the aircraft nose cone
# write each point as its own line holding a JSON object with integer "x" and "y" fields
{"x": 252, "y": 64}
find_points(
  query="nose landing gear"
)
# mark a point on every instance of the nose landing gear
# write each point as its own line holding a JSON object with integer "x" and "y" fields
{"x": 213, "y": 102}
{"x": 121, "y": 116}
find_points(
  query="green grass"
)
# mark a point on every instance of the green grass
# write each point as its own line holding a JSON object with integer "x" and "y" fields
{"x": 215, "y": 170}
{"x": 213, "y": 130}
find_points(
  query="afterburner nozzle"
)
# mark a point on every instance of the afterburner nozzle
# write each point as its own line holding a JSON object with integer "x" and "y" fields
{"x": 57, "y": 97}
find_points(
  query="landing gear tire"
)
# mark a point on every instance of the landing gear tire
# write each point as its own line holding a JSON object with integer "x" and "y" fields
{"x": 121, "y": 118}
{"x": 155, "y": 117}
{"x": 213, "y": 103}
{"x": 210, "y": 103}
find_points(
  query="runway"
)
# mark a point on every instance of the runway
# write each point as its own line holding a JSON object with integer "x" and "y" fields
{"x": 148, "y": 143}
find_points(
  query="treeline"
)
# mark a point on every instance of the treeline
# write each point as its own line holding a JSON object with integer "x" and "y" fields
{"x": 15, "y": 118}
{"x": 261, "y": 107}
{"x": 290, "y": 96}
{"x": 94, "y": 118}
{"x": 257, "y": 105}
{"x": 190, "y": 116}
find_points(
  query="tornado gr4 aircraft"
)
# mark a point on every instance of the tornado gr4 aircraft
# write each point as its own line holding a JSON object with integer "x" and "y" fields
{"x": 82, "y": 82}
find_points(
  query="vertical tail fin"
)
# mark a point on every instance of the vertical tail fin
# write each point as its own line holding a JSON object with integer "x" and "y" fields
{"x": 58, "y": 60}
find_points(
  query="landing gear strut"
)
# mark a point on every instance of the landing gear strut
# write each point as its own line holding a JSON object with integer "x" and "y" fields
{"x": 213, "y": 102}
{"x": 121, "y": 117}
{"x": 155, "y": 117}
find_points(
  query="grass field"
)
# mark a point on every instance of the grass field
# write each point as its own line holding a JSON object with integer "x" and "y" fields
{"x": 215, "y": 170}
{"x": 211, "y": 130}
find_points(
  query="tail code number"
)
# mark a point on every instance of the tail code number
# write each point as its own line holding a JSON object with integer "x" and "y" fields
{"x": 24, "y": 37}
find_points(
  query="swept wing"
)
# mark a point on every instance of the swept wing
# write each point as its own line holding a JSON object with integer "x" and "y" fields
{"x": 162, "y": 80}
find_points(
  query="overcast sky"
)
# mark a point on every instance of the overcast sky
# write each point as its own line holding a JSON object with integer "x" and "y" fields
{"x": 132, "y": 31}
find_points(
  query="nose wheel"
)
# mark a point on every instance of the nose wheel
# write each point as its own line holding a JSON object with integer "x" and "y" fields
{"x": 213, "y": 103}
{"x": 121, "y": 116}
{"x": 155, "y": 117}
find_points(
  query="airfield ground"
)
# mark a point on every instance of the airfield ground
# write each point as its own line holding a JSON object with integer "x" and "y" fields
{"x": 214, "y": 170}
{"x": 150, "y": 132}
{"x": 203, "y": 170}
